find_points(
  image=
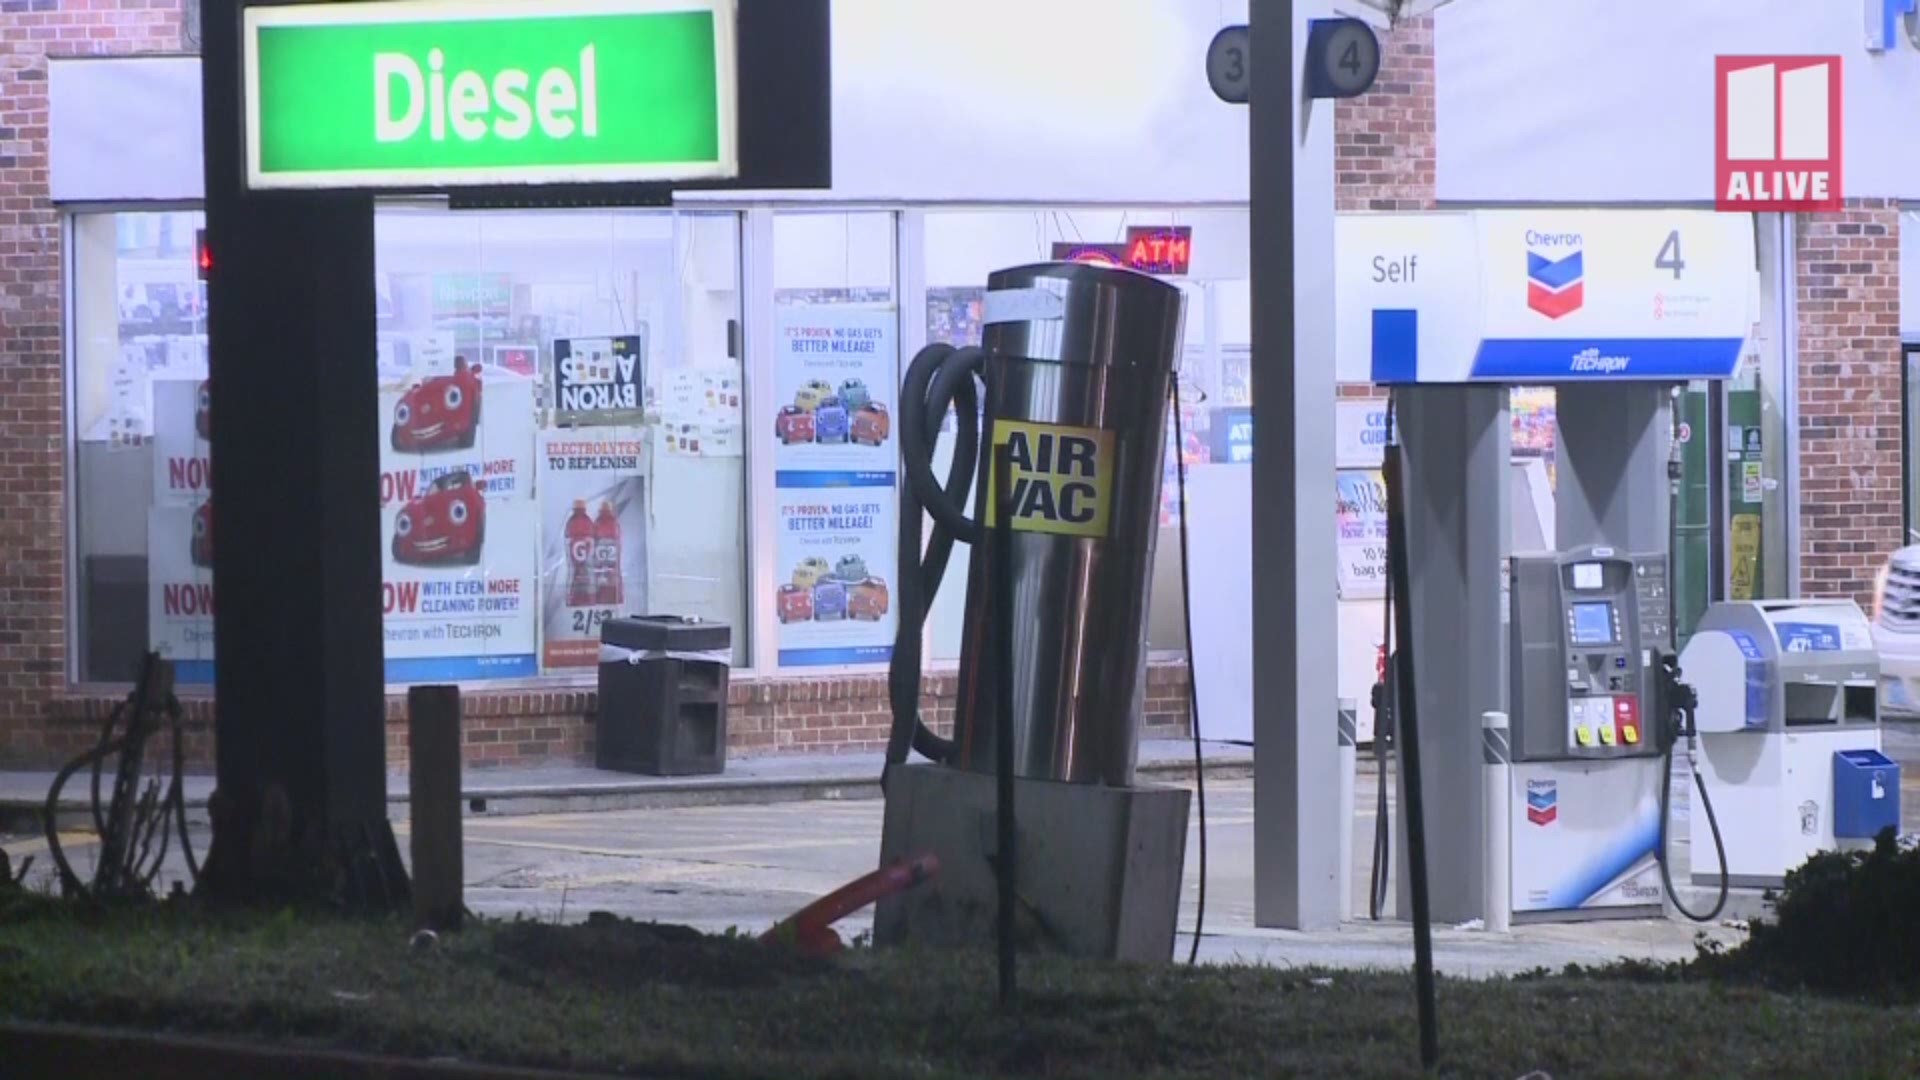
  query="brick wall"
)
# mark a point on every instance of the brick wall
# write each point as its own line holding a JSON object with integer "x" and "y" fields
{"x": 845, "y": 714}
{"x": 1383, "y": 141}
{"x": 1849, "y": 341}
{"x": 32, "y": 421}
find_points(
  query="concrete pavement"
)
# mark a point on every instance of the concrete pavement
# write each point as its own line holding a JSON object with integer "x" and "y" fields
{"x": 747, "y": 864}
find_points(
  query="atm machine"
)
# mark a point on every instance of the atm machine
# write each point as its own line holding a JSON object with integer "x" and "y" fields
{"x": 1789, "y": 727}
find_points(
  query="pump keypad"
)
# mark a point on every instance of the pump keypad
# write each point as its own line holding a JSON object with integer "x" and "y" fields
{"x": 1592, "y": 620}
{"x": 1613, "y": 609}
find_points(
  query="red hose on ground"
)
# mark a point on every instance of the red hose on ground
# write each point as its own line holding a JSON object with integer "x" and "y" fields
{"x": 811, "y": 928}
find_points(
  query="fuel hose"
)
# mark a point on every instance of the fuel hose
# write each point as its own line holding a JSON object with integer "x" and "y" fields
{"x": 940, "y": 379}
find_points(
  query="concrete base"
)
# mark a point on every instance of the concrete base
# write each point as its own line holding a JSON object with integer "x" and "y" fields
{"x": 1098, "y": 871}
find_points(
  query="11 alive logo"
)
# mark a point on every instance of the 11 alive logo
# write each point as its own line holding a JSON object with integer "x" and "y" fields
{"x": 1776, "y": 133}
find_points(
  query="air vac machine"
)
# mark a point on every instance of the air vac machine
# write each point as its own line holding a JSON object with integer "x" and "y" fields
{"x": 1068, "y": 394}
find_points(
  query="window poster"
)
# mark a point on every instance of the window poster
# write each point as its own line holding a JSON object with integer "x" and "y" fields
{"x": 833, "y": 576}
{"x": 472, "y": 422}
{"x": 403, "y": 357}
{"x": 1362, "y": 520}
{"x": 593, "y": 562}
{"x": 833, "y": 389}
{"x": 182, "y": 463}
{"x": 955, "y": 314}
{"x": 600, "y": 380}
{"x": 835, "y": 471}
{"x": 458, "y": 585}
{"x": 699, "y": 412}
{"x": 180, "y": 588}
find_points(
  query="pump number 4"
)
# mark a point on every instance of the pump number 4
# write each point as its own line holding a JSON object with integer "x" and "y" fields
{"x": 1668, "y": 258}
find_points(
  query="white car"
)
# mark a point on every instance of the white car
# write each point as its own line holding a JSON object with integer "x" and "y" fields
{"x": 1896, "y": 632}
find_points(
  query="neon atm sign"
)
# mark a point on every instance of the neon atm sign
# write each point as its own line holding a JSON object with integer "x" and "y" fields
{"x": 1163, "y": 250}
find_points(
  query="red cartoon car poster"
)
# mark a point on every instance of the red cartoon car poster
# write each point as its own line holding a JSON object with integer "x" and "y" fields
{"x": 460, "y": 530}
{"x": 182, "y": 462}
{"x": 180, "y": 587}
{"x": 459, "y": 591}
{"x": 472, "y": 419}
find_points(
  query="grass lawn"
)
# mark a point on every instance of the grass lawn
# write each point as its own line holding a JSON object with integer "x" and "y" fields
{"x": 664, "y": 1002}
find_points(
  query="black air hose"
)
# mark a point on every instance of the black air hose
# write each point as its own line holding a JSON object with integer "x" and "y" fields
{"x": 940, "y": 378}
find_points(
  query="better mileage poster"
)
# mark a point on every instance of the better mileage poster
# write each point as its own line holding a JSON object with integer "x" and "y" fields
{"x": 833, "y": 579}
{"x": 834, "y": 483}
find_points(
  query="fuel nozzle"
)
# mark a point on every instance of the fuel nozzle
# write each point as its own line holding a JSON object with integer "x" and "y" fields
{"x": 1381, "y": 698}
{"x": 1677, "y": 702}
{"x": 1676, "y": 461}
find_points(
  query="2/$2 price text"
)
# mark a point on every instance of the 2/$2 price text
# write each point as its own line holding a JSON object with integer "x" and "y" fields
{"x": 562, "y": 104}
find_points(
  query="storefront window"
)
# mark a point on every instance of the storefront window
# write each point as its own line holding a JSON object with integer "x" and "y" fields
{"x": 139, "y": 329}
{"x": 560, "y": 398}
{"x": 836, "y": 370}
{"x": 964, "y": 246}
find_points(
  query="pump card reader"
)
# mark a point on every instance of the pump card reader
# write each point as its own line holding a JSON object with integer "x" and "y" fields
{"x": 1585, "y": 625}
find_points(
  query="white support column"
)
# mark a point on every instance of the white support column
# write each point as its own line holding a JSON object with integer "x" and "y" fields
{"x": 1296, "y": 774}
{"x": 756, "y": 290}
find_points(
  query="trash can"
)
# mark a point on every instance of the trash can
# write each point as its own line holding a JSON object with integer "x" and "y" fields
{"x": 663, "y": 695}
{"x": 1866, "y": 794}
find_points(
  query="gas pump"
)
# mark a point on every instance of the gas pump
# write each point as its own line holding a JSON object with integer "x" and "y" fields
{"x": 1568, "y": 648}
{"x": 1588, "y": 630}
{"x": 1069, "y": 389}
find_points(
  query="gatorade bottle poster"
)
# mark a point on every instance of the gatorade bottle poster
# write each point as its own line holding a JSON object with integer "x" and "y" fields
{"x": 472, "y": 421}
{"x": 182, "y": 465}
{"x": 180, "y": 589}
{"x": 593, "y": 558}
{"x": 833, "y": 574}
{"x": 459, "y": 588}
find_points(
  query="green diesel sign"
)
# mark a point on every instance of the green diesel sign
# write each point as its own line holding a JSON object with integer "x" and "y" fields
{"x": 429, "y": 93}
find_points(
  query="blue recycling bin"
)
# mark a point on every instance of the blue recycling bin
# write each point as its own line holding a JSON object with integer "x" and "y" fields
{"x": 1866, "y": 794}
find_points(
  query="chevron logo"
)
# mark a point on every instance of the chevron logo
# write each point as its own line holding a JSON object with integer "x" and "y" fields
{"x": 1543, "y": 801}
{"x": 1556, "y": 287}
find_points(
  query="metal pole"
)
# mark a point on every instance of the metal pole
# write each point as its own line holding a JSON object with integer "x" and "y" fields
{"x": 1296, "y": 766}
{"x": 1407, "y": 714}
{"x": 1003, "y": 597}
{"x": 1497, "y": 802}
{"x": 1349, "y": 761}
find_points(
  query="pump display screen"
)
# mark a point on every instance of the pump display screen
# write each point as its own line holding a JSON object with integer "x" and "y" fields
{"x": 1587, "y": 575}
{"x": 1593, "y": 623}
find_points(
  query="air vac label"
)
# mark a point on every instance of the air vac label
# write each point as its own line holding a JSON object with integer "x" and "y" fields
{"x": 1062, "y": 477}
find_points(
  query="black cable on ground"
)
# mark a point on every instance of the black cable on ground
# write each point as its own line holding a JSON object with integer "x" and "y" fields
{"x": 939, "y": 378}
{"x": 1408, "y": 718}
{"x": 1193, "y": 683}
{"x": 143, "y": 816}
